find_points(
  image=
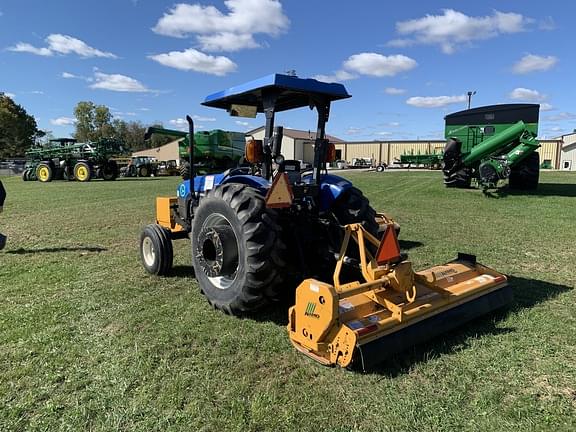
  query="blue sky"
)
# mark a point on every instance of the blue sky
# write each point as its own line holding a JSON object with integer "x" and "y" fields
{"x": 406, "y": 64}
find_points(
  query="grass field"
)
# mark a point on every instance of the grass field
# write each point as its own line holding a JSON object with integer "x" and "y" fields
{"x": 89, "y": 341}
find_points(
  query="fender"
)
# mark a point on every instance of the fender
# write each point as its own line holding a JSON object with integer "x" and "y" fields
{"x": 254, "y": 181}
{"x": 331, "y": 187}
{"x": 203, "y": 184}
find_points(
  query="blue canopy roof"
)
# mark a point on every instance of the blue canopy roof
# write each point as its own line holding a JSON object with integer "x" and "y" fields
{"x": 294, "y": 93}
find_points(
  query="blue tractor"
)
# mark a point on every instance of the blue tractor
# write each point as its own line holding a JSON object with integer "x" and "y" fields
{"x": 259, "y": 229}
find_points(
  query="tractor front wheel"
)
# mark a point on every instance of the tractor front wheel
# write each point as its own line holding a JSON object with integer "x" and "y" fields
{"x": 44, "y": 172}
{"x": 237, "y": 252}
{"x": 156, "y": 250}
{"x": 82, "y": 172}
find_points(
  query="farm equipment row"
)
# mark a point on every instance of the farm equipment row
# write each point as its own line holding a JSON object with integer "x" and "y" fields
{"x": 67, "y": 159}
{"x": 260, "y": 230}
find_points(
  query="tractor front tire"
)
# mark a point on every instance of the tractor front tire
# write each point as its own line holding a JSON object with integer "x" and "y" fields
{"x": 156, "y": 250}
{"x": 44, "y": 172}
{"x": 82, "y": 172}
{"x": 526, "y": 174}
{"x": 237, "y": 251}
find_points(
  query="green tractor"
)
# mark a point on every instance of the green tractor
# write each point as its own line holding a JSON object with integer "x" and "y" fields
{"x": 67, "y": 159}
{"x": 140, "y": 166}
{"x": 492, "y": 143}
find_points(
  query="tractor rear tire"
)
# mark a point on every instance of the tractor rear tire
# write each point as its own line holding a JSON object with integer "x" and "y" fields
{"x": 25, "y": 174}
{"x": 525, "y": 175}
{"x": 44, "y": 172}
{"x": 353, "y": 207}
{"x": 237, "y": 251}
{"x": 110, "y": 171}
{"x": 156, "y": 250}
{"x": 143, "y": 171}
{"x": 82, "y": 172}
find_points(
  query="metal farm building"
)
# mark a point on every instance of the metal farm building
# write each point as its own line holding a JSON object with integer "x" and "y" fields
{"x": 386, "y": 152}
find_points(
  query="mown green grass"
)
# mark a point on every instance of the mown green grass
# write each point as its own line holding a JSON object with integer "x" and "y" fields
{"x": 89, "y": 341}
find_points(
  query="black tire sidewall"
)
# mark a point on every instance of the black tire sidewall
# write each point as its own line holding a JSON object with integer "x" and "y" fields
{"x": 210, "y": 205}
{"x": 162, "y": 245}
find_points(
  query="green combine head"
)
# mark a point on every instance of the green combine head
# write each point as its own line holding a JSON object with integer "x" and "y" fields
{"x": 492, "y": 143}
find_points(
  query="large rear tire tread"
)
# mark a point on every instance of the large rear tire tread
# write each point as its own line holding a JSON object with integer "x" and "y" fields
{"x": 525, "y": 176}
{"x": 260, "y": 272}
{"x": 352, "y": 207}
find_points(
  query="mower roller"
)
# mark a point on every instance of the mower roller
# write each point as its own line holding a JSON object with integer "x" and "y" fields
{"x": 259, "y": 230}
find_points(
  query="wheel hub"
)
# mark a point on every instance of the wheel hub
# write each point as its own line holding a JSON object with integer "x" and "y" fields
{"x": 217, "y": 251}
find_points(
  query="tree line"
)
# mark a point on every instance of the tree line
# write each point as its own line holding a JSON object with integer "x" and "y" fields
{"x": 19, "y": 130}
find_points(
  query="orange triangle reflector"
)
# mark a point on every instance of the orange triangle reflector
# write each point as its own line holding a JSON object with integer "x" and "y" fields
{"x": 280, "y": 193}
{"x": 389, "y": 249}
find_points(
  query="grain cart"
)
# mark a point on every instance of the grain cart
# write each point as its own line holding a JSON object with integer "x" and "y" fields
{"x": 258, "y": 231}
{"x": 490, "y": 144}
{"x": 67, "y": 159}
{"x": 214, "y": 150}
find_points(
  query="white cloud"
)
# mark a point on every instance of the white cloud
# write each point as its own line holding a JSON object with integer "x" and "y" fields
{"x": 545, "y": 106}
{"x": 547, "y": 23}
{"x": 528, "y": 95}
{"x": 178, "y": 122}
{"x": 453, "y": 28}
{"x": 227, "y": 42}
{"x": 435, "y": 101}
{"x": 182, "y": 123}
{"x": 63, "y": 121}
{"x": 384, "y": 133}
{"x": 144, "y": 109}
{"x": 394, "y": 91}
{"x": 203, "y": 119}
{"x": 242, "y": 123}
{"x": 194, "y": 60}
{"x": 393, "y": 124}
{"x": 10, "y": 95}
{"x": 370, "y": 64}
{"x": 117, "y": 82}
{"x": 340, "y": 75}
{"x": 562, "y": 116}
{"x": 62, "y": 44}
{"x": 68, "y": 75}
{"x": 353, "y": 131}
{"x": 26, "y": 47}
{"x": 229, "y": 31}
{"x": 374, "y": 64}
{"x": 534, "y": 63}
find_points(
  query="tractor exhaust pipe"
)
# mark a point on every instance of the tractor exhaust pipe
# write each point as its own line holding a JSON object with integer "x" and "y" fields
{"x": 191, "y": 151}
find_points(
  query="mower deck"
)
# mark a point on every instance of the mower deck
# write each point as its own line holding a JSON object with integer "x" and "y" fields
{"x": 361, "y": 323}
